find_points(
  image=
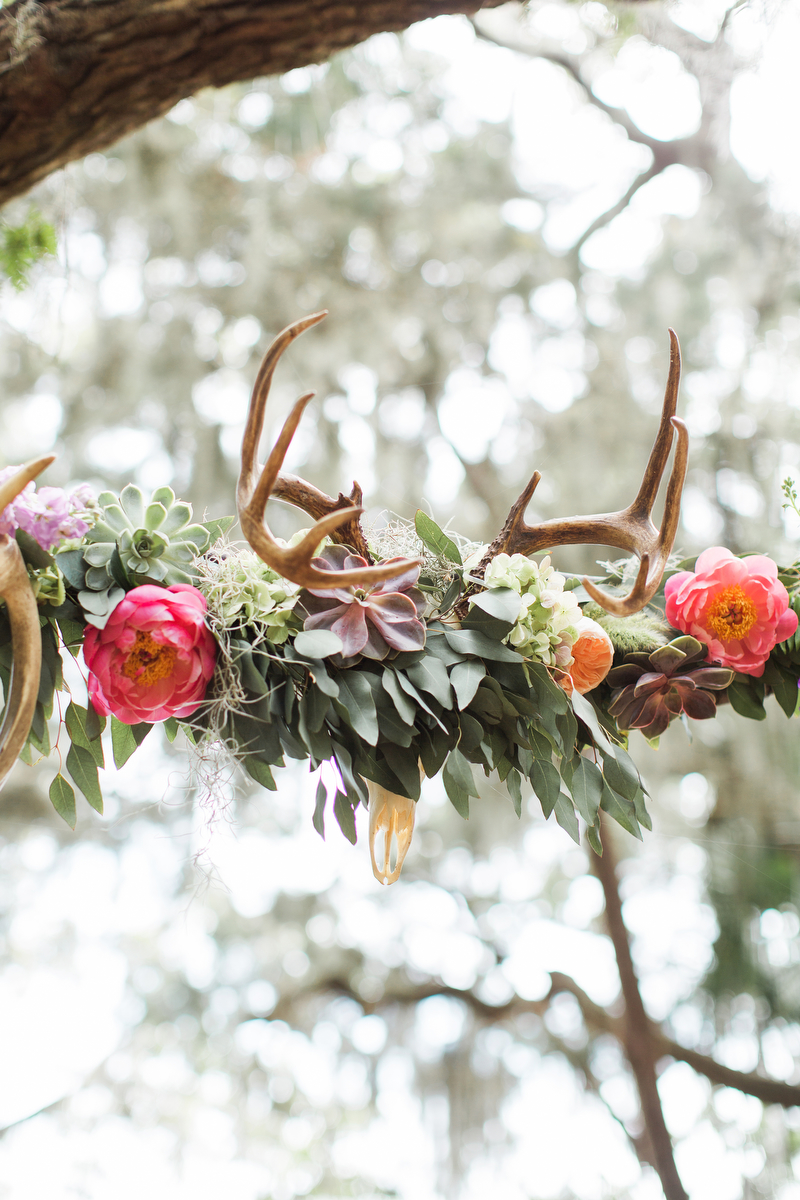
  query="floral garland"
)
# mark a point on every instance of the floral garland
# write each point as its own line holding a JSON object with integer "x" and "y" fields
{"x": 532, "y": 679}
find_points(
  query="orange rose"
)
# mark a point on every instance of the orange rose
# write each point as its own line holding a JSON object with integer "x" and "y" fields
{"x": 592, "y": 657}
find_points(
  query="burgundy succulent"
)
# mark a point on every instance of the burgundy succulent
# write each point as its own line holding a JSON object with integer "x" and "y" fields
{"x": 651, "y": 689}
{"x": 370, "y": 621}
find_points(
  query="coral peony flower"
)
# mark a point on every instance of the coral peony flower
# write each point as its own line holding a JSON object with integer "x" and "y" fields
{"x": 369, "y": 621}
{"x": 737, "y": 606}
{"x": 155, "y": 656}
{"x": 592, "y": 656}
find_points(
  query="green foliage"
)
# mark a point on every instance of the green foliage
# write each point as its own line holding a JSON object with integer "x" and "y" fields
{"x": 22, "y": 246}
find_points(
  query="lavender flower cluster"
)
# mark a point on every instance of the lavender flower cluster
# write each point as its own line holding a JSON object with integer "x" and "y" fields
{"x": 50, "y": 514}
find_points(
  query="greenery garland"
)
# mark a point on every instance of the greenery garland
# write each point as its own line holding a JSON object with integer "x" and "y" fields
{"x": 179, "y": 626}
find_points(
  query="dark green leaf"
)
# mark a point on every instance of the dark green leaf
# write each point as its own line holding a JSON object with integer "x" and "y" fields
{"x": 640, "y": 809}
{"x": 73, "y": 568}
{"x": 410, "y": 690}
{"x": 515, "y": 790}
{"x": 345, "y": 816}
{"x": 435, "y": 538}
{"x": 503, "y": 604}
{"x": 318, "y": 643}
{"x": 405, "y": 765}
{"x": 318, "y": 820}
{"x": 546, "y": 784}
{"x": 487, "y": 704}
{"x": 356, "y": 705}
{"x": 621, "y": 810}
{"x": 392, "y": 728}
{"x": 472, "y": 732}
{"x": 431, "y": 676}
{"x": 31, "y": 551}
{"x": 451, "y": 595}
{"x": 125, "y": 739}
{"x": 567, "y": 725}
{"x": 259, "y": 771}
{"x": 83, "y": 769}
{"x": 406, "y": 709}
{"x": 746, "y": 702}
{"x": 63, "y": 800}
{"x": 584, "y": 709}
{"x": 436, "y": 644}
{"x": 465, "y": 678}
{"x": 472, "y": 641}
{"x": 548, "y": 693}
{"x": 171, "y": 728}
{"x": 621, "y": 774}
{"x": 593, "y": 838}
{"x": 565, "y": 815}
{"x": 458, "y": 782}
{"x": 786, "y": 693}
{"x": 433, "y": 749}
{"x": 586, "y": 786}
{"x": 354, "y": 784}
{"x": 95, "y": 722}
{"x": 76, "y": 718}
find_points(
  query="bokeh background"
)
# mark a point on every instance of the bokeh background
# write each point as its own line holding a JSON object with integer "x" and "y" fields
{"x": 199, "y": 996}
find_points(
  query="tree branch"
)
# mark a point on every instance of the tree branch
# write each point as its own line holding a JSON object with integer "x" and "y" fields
{"x": 636, "y": 1029}
{"x": 77, "y": 75}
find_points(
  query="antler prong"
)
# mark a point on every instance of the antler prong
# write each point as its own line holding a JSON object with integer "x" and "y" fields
{"x": 631, "y": 528}
{"x": 253, "y": 492}
{"x": 23, "y": 616}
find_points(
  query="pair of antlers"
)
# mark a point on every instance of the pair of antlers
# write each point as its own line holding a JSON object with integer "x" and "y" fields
{"x": 630, "y": 529}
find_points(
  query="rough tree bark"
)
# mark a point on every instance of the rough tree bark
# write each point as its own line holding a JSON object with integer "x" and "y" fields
{"x": 76, "y": 75}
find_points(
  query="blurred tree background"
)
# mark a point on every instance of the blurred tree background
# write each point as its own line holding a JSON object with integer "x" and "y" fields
{"x": 503, "y": 218}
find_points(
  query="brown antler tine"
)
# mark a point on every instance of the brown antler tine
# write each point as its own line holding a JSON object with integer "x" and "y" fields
{"x": 258, "y": 400}
{"x": 23, "y": 615}
{"x": 657, "y": 461}
{"x": 254, "y": 490}
{"x": 625, "y": 606}
{"x": 21, "y": 478}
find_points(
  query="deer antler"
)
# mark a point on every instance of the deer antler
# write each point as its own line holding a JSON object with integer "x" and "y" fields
{"x": 23, "y": 615}
{"x": 629, "y": 529}
{"x": 337, "y": 518}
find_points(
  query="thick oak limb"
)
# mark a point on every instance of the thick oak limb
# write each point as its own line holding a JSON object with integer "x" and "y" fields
{"x": 77, "y": 75}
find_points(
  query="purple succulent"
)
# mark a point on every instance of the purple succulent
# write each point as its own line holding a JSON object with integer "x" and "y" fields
{"x": 370, "y": 621}
{"x": 651, "y": 689}
{"x": 49, "y": 515}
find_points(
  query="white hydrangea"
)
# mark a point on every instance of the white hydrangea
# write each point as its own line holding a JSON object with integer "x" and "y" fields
{"x": 546, "y": 628}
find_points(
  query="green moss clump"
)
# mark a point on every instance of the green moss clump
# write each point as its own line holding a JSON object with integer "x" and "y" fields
{"x": 641, "y": 633}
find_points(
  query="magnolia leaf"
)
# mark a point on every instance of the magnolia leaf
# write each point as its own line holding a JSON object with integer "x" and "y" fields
{"x": 746, "y": 702}
{"x": 435, "y": 539}
{"x": 62, "y": 797}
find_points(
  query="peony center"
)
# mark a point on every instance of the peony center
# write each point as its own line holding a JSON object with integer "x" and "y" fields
{"x": 731, "y": 614}
{"x": 149, "y": 661}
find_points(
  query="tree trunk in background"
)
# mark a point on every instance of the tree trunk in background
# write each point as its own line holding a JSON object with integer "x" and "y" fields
{"x": 77, "y": 75}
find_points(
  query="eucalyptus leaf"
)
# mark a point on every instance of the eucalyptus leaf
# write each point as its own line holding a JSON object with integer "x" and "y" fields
{"x": 62, "y": 797}
{"x": 435, "y": 539}
{"x": 586, "y": 786}
{"x": 472, "y": 641}
{"x": 318, "y": 643}
{"x": 345, "y": 816}
{"x": 503, "y": 604}
{"x": 565, "y": 815}
{"x": 546, "y": 784}
{"x": 83, "y": 769}
{"x": 318, "y": 819}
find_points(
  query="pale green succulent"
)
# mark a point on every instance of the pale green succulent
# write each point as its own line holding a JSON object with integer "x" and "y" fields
{"x": 156, "y": 541}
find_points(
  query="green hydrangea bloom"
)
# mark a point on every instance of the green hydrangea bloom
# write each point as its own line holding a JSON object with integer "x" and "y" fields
{"x": 546, "y": 626}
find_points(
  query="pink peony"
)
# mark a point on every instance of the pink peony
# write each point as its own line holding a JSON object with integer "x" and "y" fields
{"x": 736, "y": 606}
{"x": 155, "y": 657}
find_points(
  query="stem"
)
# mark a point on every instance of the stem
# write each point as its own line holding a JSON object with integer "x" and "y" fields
{"x": 637, "y": 1037}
